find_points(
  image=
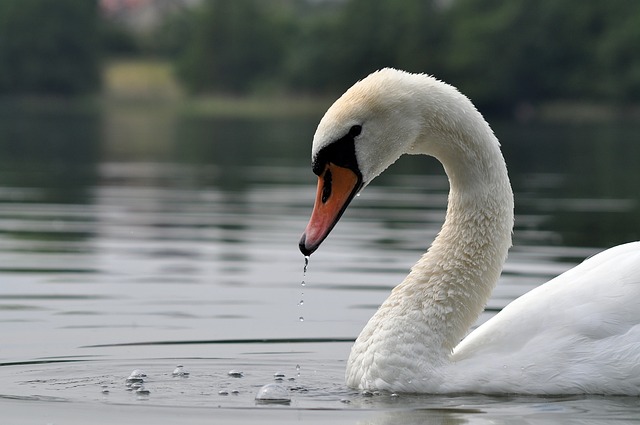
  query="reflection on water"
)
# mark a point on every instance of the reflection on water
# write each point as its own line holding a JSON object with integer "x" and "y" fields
{"x": 143, "y": 238}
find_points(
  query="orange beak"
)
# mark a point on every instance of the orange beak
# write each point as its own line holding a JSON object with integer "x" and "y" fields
{"x": 336, "y": 188}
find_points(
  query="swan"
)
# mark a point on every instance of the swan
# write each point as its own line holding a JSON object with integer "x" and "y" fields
{"x": 577, "y": 334}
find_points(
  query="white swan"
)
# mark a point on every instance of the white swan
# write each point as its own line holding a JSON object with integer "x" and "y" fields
{"x": 578, "y": 333}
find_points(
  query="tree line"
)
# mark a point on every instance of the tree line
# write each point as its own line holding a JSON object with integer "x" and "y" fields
{"x": 500, "y": 52}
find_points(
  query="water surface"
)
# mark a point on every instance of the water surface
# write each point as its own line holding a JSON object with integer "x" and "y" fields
{"x": 142, "y": 238}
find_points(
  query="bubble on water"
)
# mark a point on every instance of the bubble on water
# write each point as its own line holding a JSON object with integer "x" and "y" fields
{"x": 235, "y": 373}
{"x": 345, "y": 401}
{"x": 366, "y": 393}
{"x": 223, "y": 392}
{"x": 137, "y": 373}
{"x": 105, "y": 389}
{"x": 136, "y": 376}
{"x": 273, "y": 394}
{"x": 179, "y": 371}
{"x": 235, "y": 392}
{"x": 279, "y": 375}
{"x": 142, "y": 391}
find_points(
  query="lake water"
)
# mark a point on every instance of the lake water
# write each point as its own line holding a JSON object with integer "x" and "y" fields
{"x": 145, "y": 238}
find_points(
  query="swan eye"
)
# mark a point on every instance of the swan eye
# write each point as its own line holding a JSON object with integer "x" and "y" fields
{"x": 341, "y": 152}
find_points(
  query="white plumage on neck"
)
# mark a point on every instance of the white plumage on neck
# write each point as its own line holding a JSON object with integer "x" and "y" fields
{"x": 434, "y": 307}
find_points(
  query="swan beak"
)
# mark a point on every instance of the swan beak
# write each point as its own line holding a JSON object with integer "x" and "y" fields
{"x": 336, "y": 188}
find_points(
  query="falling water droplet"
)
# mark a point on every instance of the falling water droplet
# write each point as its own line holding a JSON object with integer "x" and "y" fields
{"x": 306, "y": 265}
{"x": 301, "y": 319}
{"x": 301, "y": 303}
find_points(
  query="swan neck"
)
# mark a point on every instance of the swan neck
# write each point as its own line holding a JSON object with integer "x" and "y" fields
{"x": 459, "y": 271}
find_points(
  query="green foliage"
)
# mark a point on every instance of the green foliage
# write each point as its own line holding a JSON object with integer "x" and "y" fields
{"x": 367, "y": 35}
{"x": 236, "y": 46}
{"x": 501, "y": 52}
{"x": 48, "y": 47}
{"x": 618, "y": 51}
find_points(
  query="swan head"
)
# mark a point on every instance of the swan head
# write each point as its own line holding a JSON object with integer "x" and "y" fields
{"x": 367, "y": 129}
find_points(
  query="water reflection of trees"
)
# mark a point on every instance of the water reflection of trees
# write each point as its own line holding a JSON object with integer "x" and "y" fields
{"x": 583, "y": 178}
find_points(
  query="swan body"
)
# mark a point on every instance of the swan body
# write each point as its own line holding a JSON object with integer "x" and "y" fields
{"x": 578, "y": 333}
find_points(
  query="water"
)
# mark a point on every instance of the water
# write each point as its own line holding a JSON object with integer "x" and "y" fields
{"x": 145, "y": 239}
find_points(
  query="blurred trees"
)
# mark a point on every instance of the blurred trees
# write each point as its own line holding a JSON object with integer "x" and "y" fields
{"x": 48, "y": 47}
{"x": 501, "y": 52}
{"x": 236, "y": 46}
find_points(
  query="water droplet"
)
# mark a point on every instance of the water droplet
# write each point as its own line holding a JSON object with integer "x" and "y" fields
{"x": 136, "y": 376}
{"x": 105, "y": 389}
{"x": 142, "y": 391}
{"x": 279, "y": 375}
{"x": 235, "y": 392}
{"x": 235, "y": 373}
{"x": 273, "y": 394}
{"x": 306, "y": 264}
{"x": 223, "y": 392}
{"x": 303, "y": 283}
{"x": 137, "y": 373}
{"x": 301, "y": 303}
{"x": 345, "y": 401}
{"x": 301, "y": 319}
{"x": 179, "y": 371}
{"x": 358, "y": 194}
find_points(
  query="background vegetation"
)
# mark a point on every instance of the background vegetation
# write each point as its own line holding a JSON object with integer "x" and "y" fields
{"x": 48, "y": 47}
{"x": 505, "y": 54}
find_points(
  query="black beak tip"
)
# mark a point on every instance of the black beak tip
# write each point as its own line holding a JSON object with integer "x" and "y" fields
{"x": 306, "y": 251}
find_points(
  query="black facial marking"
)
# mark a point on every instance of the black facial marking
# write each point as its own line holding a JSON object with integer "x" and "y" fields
{"x": 326, "y": 189}
{"x": 342, "y": 152}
